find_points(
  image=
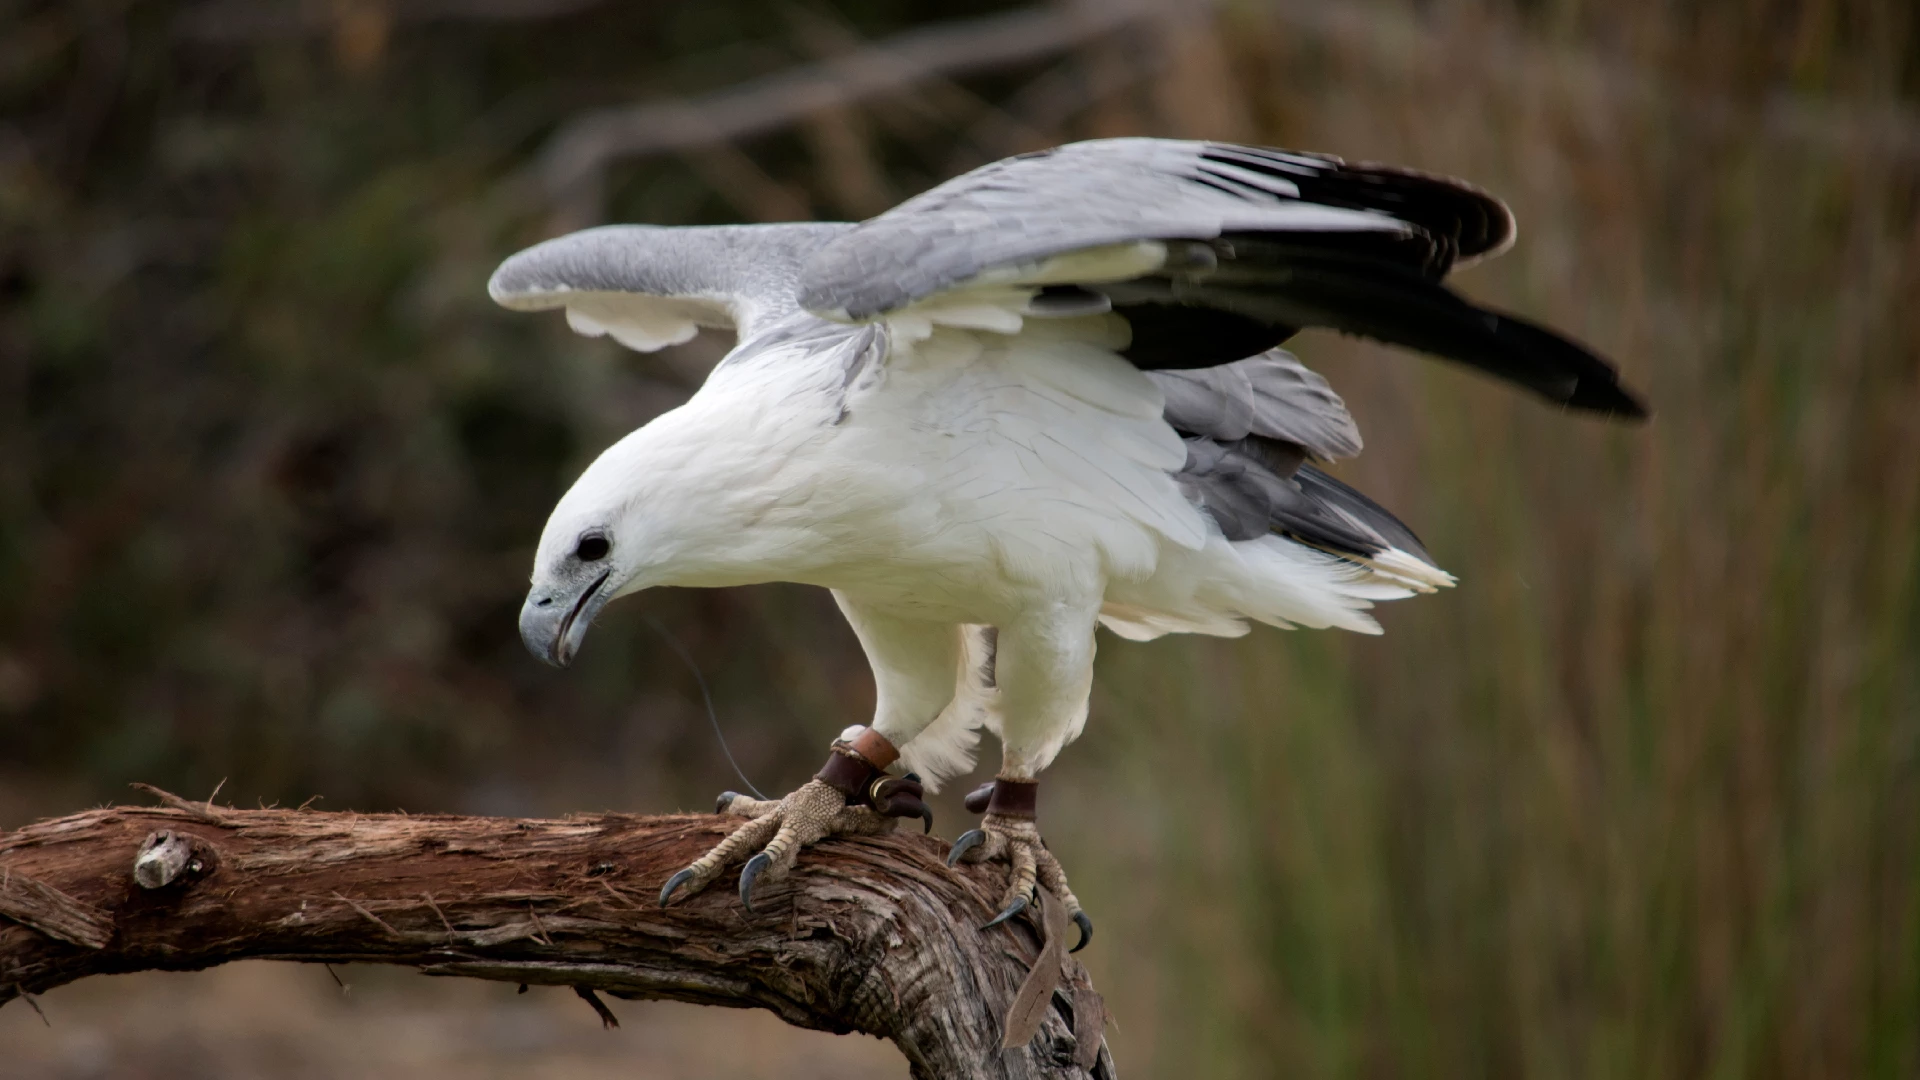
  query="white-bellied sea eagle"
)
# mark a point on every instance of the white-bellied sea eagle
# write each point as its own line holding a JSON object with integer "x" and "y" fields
{"x": 1040, "y": 398}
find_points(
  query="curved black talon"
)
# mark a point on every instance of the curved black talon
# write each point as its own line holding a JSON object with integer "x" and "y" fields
{"x": 1013, "y": 909}
{"x": 927, "y": 813}
{"x": 1086, "y": 930}
{"x": 969, "y": 840}
{"x": 674, "y": 882}
{"x": 747, "y": 873}
{"x": 725, "y": 800}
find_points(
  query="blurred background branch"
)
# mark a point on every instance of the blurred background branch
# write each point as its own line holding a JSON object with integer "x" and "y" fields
{"x": 245, "y": 21}
{"x": 572, "y": 164}
{"x": 921, "y": 60}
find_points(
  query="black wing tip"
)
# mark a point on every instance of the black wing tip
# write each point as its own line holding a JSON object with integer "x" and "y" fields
{"x": 1596, "y": 386}
{"x": 1608, "y": 400}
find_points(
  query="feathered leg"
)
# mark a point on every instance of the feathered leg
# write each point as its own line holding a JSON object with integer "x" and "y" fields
{"x": 1044, "y": 673}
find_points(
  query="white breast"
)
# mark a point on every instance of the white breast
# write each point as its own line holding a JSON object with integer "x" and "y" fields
{"x": 976, "y": 461}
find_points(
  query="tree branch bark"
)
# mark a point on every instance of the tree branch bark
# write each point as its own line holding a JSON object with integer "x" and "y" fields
{"x": 874, "y": 935}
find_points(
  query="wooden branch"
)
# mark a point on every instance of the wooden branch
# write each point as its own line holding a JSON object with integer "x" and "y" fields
{"x": 874, "y": 935}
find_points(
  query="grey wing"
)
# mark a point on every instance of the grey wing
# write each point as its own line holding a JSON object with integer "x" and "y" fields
{"x": 1212, "y": 253}
{"x": 1072, "y": 198}
{"x": 649, "y": 287}
{"x": 1272, "y": 395}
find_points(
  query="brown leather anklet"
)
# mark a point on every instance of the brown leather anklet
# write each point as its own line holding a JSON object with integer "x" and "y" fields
{"x": 854, "y": 763}
{"x": 1007, "y": 798}
{"x": 847, "y": 774}
{"x": 856, "y": 768}
{"x": 874, "y": 747}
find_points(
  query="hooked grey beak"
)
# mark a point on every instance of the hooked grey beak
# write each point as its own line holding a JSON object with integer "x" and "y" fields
{"x": 552, "y": 624}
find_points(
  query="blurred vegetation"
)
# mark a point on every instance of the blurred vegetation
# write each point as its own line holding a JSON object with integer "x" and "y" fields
{"x": 1641, "y": 798}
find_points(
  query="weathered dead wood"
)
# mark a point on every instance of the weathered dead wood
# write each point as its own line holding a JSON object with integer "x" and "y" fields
{"x": 34, "y": 903}
{"x": 873, "y": 935}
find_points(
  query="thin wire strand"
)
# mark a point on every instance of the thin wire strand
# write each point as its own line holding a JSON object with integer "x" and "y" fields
{"x": 687, "y": 659}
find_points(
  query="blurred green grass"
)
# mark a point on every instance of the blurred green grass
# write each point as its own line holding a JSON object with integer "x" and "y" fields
{"x": 1640, "y": 798}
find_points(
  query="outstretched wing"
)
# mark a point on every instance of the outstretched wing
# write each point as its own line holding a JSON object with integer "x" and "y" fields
{"x": 649, "y": 287}
{"x": 1211, "y": 252}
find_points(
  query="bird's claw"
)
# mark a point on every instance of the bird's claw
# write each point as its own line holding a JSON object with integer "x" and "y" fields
{"x": 1018, "y": 842}
{"x": 969, "y": 840}
{"x": 1086, "y": 930}
{"x": 755, "y": 866}
{"x": 780, "y": 829}
{"x": 673, "y": 884}
{"x": 1080, "y": 920}
{"x": 1019, "y": 905}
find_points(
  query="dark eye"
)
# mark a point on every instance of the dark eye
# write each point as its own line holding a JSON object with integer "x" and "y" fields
{"x": 592, "y": 548}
